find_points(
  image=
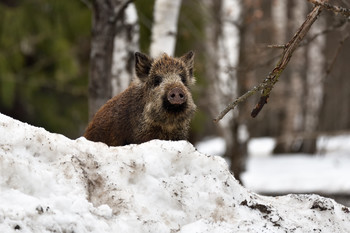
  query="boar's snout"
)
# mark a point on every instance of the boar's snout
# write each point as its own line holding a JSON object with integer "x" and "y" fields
{"x": 177, "y": 96}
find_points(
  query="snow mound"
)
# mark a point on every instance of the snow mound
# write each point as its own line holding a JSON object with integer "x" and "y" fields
{"x": 49, "y": 183}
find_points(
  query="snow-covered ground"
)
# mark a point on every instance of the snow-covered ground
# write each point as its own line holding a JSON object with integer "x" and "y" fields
{"x": 49, "y": 183}
{"x": 327, "y": 172}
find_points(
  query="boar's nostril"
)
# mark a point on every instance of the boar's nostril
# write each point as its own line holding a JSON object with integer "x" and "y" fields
{"x": 176, "y": 96}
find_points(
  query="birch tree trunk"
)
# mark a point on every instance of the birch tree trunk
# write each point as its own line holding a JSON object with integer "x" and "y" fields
{"x": 108, "y": 20}
{"x": 305, "y": 90}
{"x": 125, "y": 45}
{"x": 314, "y": 82}
{"x": 294, "y": 118}
{"x": 279, "y": 20}
{"x": 164, "y": 29}
{"x": 223, "y": 40}
{"x": 229, "y": 42}
{"x": 100, "y": 55}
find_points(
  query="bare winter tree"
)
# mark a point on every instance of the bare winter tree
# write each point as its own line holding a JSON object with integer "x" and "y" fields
{"x": 293, "y": 121}
{"x": 279, "y": 12}
{"x": 223, "y": 39}
{"x": 316, "y": 74}
{"x": 305, "y": 89}
{"x": 114, "y": 37}
{"x": 164, "y": 29}
{"x": 125, "y": 44}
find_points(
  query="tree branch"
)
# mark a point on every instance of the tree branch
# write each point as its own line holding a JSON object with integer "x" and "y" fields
{"x": 286, "y": 55}
{"x": 288, "y": 49}
{"x": 336, "y": 9}
{"x": 239, "y": 100}
{"x": 269, "y": 82}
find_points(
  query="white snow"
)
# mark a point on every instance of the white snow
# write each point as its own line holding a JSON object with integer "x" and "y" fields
{"x": 327, "y": 172}
{"x": 298, "y": 174}
{"x": 49, "y": 183}
{"x": 212, "y": 146}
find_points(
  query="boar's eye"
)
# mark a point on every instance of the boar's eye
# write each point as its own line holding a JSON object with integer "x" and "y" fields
{"x": 183, "y": 79}
{"x": 157, "y": 80}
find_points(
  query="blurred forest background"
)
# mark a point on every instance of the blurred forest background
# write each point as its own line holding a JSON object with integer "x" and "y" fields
{"x": 47, "y": 56}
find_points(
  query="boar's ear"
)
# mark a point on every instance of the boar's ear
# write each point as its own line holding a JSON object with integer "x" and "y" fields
{"x": 188, "y": 59}
{"x": 143, "y": 65}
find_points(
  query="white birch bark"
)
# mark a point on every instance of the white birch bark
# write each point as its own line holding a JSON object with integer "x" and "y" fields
{"x": 294, "y": 119}
{"x": 299, "y": 63}
{"x": 315, "y": 76}
{"x": 211, "y": 57}
{"x": 279, "y": 20}
{"x": 125, "y": 45}
{"x": 164, "y": 29}
{"x": 227, "y": 84}
{"x": 228, "y": 57}
{"x": 222, "y": 44}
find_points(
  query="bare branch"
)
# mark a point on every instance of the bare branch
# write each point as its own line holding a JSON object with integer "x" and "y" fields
{"x": 286, "y": 55}
{"x": 267, "y": 85}
{"x": 239, "y": 100}
{"x": 269, "y": 82}
{"x": 336, "y": 9}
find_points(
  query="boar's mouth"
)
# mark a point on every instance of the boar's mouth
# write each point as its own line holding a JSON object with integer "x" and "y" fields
{"x": 173, "y": 108}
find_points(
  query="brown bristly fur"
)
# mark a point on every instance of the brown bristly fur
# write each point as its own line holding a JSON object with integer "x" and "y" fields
{"x": 143, "y": 111}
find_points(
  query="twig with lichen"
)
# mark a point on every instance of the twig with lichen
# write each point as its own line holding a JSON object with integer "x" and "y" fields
{"x": 266, "y": 86}
{"x": 336, "y": 9}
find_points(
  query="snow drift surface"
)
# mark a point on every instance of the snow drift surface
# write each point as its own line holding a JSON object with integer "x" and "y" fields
{"x": 49, "y": 183}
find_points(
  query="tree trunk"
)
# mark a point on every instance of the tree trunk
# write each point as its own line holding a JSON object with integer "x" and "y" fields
{"x": 279, "y": 20}
{"x": 223, "y": 39}
{"x": 229, "y": 43}
{"x": 294, "y": 118}
{"x": 305, "y": 90}
{"x": 164, "y": 27}
{"x": 314, "y": 83}
{"x": 125, "y": 45}
{"x": 107, "y": 20}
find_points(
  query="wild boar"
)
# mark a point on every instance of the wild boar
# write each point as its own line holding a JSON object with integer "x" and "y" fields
{"x": 158, "y": 104}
